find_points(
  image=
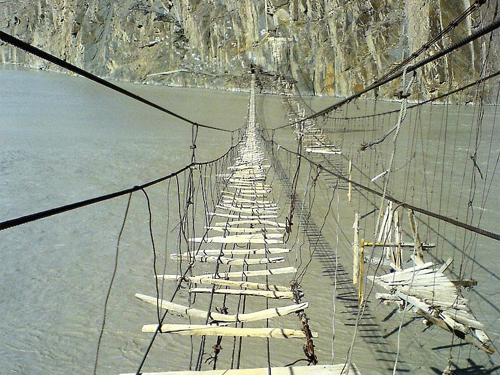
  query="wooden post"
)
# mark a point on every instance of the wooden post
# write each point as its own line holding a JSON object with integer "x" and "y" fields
{"x": 361, "y": 271}
{"x": 419, "y": 259}
{"x": 355, "y": 246}
{"x": 349, "y": 194}
{"x": 398, "y": 237}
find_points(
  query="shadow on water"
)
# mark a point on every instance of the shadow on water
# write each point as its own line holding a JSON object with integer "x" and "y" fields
{"x": 472, "y": 369}
{"x": 368, "y": 330}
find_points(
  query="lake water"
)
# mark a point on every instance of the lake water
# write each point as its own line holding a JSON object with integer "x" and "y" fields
{"x": 65, "y": 139}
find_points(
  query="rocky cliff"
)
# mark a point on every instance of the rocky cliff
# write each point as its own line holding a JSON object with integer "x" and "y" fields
{"x": 330, "y": 47}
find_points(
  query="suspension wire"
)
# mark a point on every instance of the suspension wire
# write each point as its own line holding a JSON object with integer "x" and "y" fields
{"x": 113, "y": 276}
{"x": 73, "y": 206}
{"x": 483, "y": 232}
{"x": 63, "y": 64}
{"x": 153, "y": 247}
{"x": 183, "y": 274}
{"x": 431, "y": 100}
{"x": 293, "y": 189}
{"x": 194, "y": 137}
{"x": 410, "y": 68}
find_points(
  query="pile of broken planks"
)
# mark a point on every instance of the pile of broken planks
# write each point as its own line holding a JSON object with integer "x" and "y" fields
{"x": 244, "y": 233}
{"x": 424, "y": 288}
{"x": 427, "y": 291}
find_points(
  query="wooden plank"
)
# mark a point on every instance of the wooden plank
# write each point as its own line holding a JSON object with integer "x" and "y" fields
{"x": 252, "y": 167}
{"x": 340, "y": 369}
{"x": 248, "y": 209}
{"x": 256, "y": 212}
{"x": 264, "y": 205}
{"x": 237, "y": 199}
{"x": 269, "y": 251}
{"x": 245, "y": 284}
{"x": 407, "y": 273}
{"x": 249, "y": 190}
{"x": 232, "y": 275}
{"x": 228, "y": 261}
{"x": 322, "y": 151}
{"x": 270, "y": 238}
{"x": 243, "y": 217}
{"x": 208, "y": 330}
{"x": 247, "y": 317}
{"x": 355, "y": 246}
{"x": 252, "y": 222}
{"x": 419, "y": 259}
{"x": 245, "y": 230}
{"x": 246, "y": 292}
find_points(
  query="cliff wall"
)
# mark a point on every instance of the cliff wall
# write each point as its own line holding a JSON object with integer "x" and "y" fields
{"x": 331, "y": 47}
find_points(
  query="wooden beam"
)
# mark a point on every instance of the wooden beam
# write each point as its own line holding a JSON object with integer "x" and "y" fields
{"x": 419, "y": 259}
{"x": 247, "y": 317}
{"x": 355, "y": 247}
{"x": 245, "y": 230}
{"x": 239, "y": 252}
{"x": 243, "y": 217}
{"x": 245, "y": 285}
{"x": 292, "y": 370}
{"x": 248, "y": 210}
{"x": 251, "y": 222}
{"x": 232, "y": 275}
{"x": 246, "y": 292}
{"x": 270, "y": 238}
{"x": 229, "y": 261}
{"x": 209, "y": 330}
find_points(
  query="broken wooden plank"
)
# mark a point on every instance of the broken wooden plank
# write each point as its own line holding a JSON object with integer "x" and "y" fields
{"x": 246, "y": 317}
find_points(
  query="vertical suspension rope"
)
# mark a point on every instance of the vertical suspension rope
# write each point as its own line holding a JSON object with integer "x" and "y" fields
{"x": 113, "y": 276}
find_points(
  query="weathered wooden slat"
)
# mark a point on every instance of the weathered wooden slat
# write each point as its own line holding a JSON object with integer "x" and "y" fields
{"x": 236, "y": 199}
{"x": 436, "y": 298}
{"x": 249, "y": 168}
{"x": 247, "y": 317}
{"x": 232, "y": 275}
{"x": 322, "y": 151}
{"x": 243, "y": 217}
{"x": 208, "y": 330}
{"x": 253, "y": 207}
{"x": 295, "y": 370}
{"x": 249, "y": 210}
{"x": 405, "y": 274}
{"x": 269, "y": 251}
{"x": 246, "y": 292}
{"x": 248, "y": 189}
{"x": 251, "y": 222}
{"x": 245, "y": 285}
{"x": 243, "y": 230}
{"x": 269, "y": 238}
{"x": 229, "y": 261}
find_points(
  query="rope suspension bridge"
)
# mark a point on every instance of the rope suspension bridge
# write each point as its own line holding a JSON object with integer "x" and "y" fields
{"x": 286, "y": 196}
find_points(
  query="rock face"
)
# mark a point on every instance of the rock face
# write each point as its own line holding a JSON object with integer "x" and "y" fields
{"x": 330, "y": 47}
